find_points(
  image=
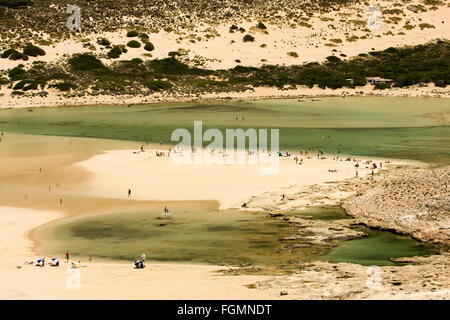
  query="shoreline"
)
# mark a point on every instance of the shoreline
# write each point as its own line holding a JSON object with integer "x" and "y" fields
{"x": 258, "y": 94}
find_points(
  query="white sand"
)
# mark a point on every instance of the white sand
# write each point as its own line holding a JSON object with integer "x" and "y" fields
{"x": 159, "y": 178}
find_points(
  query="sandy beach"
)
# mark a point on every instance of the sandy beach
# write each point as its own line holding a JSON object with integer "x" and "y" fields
{"x": 99, "y": 179}
{"x": 111, "y": 174}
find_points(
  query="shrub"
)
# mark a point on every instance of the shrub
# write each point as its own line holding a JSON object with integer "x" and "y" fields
{"x": 261, "y": 26}
{"x": 115, "y": 52}
{"x": 7, "y": 53}
{"x": 248, "y": 38}
{"x": 382, "y": 86}
{"x": 103, "y": 42}
{"x": 132, "y": 33}
{"x": 19, "y": 85}
{"x": 17, "y": 73}
{"x": 144, "y": 37}
{"x": 85, "y": 62}
{"x": 33, "y": 51}
{"x": 16, "y": 55}
{"x": 63, "y": 86}
{"x": 15, "y": 3}
{"x": 134, "y": 44}
{"x": 293, "y": 54}
{"x": 32, "y": 86}
{"x": 149, "y": 46}
{"x": 174, "y": 54}
{"x": 157, "y": 85}
{"x": 333, "y": 59}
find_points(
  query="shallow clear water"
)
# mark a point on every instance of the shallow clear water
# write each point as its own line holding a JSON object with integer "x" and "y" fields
{"x": 214, "y": 237}
{"x": 377, "y": 249}
{"x": 407, "y": 128}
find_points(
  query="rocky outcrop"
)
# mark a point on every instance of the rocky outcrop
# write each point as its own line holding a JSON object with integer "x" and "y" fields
{"x": 410, "y": 201}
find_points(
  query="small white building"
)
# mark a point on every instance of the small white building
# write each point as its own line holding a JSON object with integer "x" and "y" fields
{"x": 377, "y": 80}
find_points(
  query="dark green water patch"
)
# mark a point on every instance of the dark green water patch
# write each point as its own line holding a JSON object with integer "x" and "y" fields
{"x": 377, "y": 249}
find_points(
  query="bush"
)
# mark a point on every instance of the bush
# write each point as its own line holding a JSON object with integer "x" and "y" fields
{"x": 103, "y": 42}
{"x": 132, "y": 33}
{"x": 7, "y": 53}
{"x": 174, "y": 54}
{"x": 16, "y": 55}
{"x": 333, "y": 59}
{"x": 85, "y": 62}
{"x": 248, "y": 38}
{"x": 157, "y": 85}
{"x": 261, "y": 26}
{"x": 144, "y": 37}
{"x": 19, "y": 85}
{"x": 382, "y": 86}
{"x": 115, "y": 52}
{"x": 15, "y": 3}
{"x": 293, "y": 54}
{"x": 63, "y": 86}
{"x": 33, "y": 51}
{"x": 17, "y": 73}
{"x": 134, "y": 44}
{"x": 149, "y": 46}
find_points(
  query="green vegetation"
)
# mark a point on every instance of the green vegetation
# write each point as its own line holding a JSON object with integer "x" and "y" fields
{"x": 132, "y": 34}
{"x": 14, "y": 55}
{"x": 103, "y": 42}
{"x": 134, "y": 44}
{"x": 149, "y": 46}
{"x": 116, "y": 51}
{"x": 261, "y": 26}
{"x": 33, "y": 51}
{"x": 15, "y": 3}
{"x": 406, "y": 66}
{"x": 248, "y": 38}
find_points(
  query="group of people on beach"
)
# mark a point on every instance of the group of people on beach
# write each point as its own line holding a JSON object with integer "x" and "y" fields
{"x": 54, "y": 262}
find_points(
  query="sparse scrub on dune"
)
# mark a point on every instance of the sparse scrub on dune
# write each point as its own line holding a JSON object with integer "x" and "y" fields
{"x": 248, "y": 38}
{"x": 134, "y": 44}
{"x": 33, "y": 51}
{"x": 406, "y": 66}
{"x": 103, "y": 42}
{"x": 132, "y": 33}
{"x": 426, "y": 26}
{"x": 149, "y": 46}
{"x": 12, "y": 54}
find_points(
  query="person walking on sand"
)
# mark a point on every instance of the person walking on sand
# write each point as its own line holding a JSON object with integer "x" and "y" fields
{"x": 129, "y": 193}
{"x": 143, "y": 257}
{"x": 67, "y": 256}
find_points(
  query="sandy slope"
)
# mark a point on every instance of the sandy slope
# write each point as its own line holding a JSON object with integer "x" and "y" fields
{"x": 225, "y": 50}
